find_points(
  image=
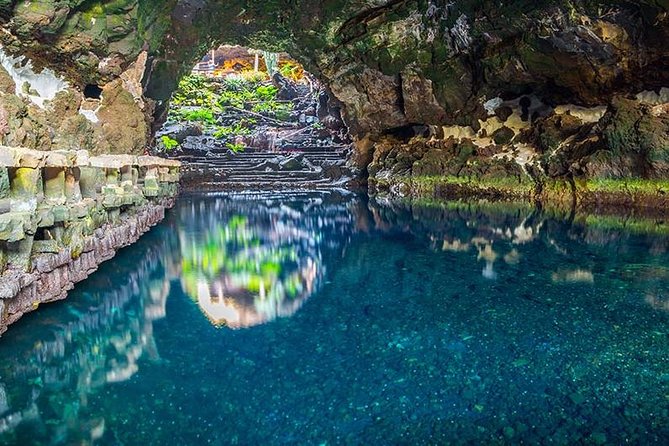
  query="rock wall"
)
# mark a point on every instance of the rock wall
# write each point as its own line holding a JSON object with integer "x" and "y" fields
{"x": 63, "y": 213}
{"x": 580, "y": 80}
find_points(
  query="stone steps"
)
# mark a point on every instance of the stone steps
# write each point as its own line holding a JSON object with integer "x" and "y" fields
{"x": 267, "y": 156}
{"x": 257, "y": 170}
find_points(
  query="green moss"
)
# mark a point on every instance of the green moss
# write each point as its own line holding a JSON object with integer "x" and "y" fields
{"x": 94, "y": 10}
{"x": 503, "y": 183}
{"x": 631, "y": 185}
{"x": 26, "y": 182}
{"x": 4, "y": 183}
{"x": 448, "y": 186}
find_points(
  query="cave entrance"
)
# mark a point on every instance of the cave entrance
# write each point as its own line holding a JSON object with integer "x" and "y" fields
{"x": 245, "y": 118}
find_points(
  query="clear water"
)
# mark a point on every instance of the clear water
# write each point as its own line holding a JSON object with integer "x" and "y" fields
{"x": 324, "y": 319}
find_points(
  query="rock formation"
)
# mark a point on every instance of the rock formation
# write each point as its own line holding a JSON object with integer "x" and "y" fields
{"x": 568, "y": 94}
{"x": 62, "y": 213}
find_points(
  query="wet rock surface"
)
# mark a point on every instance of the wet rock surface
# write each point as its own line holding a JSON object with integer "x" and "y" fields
{"x": 55, "y": 274}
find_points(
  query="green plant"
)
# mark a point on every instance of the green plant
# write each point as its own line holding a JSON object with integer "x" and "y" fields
{"x": 266, "y": 92}
{"x": 239, "y": 129}
{"x": 169, "y": 143}
{"x": 235, "y": 147}
{"x": 194, "y": 90}
{"x": 235, "y": 84}
{"x": 291, "y": 70}
{"x": 279, "y": 109}
{"x": 205, "y": 115}
{"x": 253, "y": 77}
{"x": 271, "y": 62}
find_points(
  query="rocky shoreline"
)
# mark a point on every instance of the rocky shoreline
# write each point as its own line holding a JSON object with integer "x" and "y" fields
{"x": 63, "y": 213}
{"x": 647, "y": 198}
{"x": 54, "y": 275}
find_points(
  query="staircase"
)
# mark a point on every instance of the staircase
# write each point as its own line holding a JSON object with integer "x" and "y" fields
{"x": 257, "y": 169}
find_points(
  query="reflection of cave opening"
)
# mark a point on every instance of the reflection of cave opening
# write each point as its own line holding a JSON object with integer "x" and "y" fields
{"x": 255, "y": 118}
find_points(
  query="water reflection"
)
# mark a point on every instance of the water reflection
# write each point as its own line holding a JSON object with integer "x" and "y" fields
{"x": 515, "y": 241}
{"x": 66, "y": 352}
{"x": 453, "y": 311}
{"x": 248, "y": 259}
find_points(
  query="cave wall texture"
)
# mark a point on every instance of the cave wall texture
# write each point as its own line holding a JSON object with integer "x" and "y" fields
{"x": 532, "y": 91}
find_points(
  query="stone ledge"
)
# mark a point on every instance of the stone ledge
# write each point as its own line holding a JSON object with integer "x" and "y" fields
{"x": 62, "y": 213}
{"x": 57, "y": 273}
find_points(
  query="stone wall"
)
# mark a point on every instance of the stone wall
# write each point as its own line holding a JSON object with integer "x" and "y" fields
{"x": 62, "y": 213}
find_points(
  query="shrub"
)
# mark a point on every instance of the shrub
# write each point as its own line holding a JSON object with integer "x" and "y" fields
{"x": 266, "y": 92}
{"x": 235, "y": 147}
{"x": 169, "y": 143}
{"x": 194, "y": 90}
{"x": 205, "y": 115}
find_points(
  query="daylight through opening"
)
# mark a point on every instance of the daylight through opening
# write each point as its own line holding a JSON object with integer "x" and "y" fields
{"x": 247, "y": 118}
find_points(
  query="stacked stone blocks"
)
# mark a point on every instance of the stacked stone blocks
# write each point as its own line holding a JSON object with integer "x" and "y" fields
{"x": 57, "y": 206}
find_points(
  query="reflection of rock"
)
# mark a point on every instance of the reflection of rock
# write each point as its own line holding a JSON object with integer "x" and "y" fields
{"x": 4, "y": 405}
{"x": 513, "y": 257}
{"x": 98, "y": 338}
{"x": 513, "y": 234}
{"x": 455, "y": 246}
{"x": 573, "y": 276}
{"x": 657, "y": 301}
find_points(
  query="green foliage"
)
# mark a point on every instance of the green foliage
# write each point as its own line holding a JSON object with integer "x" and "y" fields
{"x": 291, "y": 70}
{"x": 204, "y": 115}
{"x": 281, "y": 110}
{"x": 169, "y": 143}
{"x": 237, "y": 92}
{"x": 266, "y": 92}
{"x": 235, "y": 147}
{"x": 194, "y": 90}
{"x": 239, "y": 129}
{"x": 254, "y": 77}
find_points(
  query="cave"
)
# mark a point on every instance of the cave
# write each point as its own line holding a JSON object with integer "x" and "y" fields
{"x": 335, "y": 222}
{"x": 92, "y": 91}
{"x": 252, "y": 119}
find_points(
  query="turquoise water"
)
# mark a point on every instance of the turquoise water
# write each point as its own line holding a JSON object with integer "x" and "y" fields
{"x": 325, "y": 319}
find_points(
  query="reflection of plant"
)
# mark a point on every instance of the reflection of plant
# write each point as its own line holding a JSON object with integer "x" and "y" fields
{"x": 235, "y": 249}
{"x": 169, "y": 143}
